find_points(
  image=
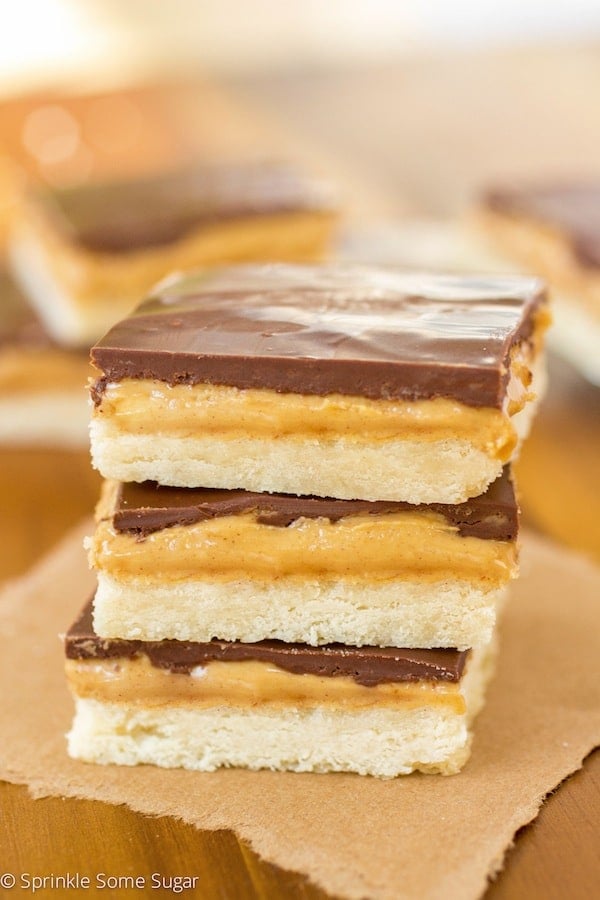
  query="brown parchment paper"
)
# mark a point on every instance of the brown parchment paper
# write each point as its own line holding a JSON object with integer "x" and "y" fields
{"x": 419, "y": 837}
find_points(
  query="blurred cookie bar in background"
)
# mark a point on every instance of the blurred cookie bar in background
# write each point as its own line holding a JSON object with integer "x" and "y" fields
{"x": 553, "y": 230}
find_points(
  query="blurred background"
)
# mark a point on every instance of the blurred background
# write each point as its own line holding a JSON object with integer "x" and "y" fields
{"x": 409, "y": 107}
{"x": 421, "y": 98}
{"x": 115, "y": 40}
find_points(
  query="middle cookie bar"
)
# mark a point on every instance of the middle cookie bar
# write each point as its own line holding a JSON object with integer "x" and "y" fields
{"x": 334, "y": 381}
{"x": 198, "y": 564}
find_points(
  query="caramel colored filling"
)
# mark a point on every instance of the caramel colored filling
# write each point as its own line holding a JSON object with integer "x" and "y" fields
{"x": 51, "y": 369}
{"x": 248, "y": 684}
{"x": 410, "y": 545}
{"x": 88, "y": 277}
{"x": 136, "y": 405}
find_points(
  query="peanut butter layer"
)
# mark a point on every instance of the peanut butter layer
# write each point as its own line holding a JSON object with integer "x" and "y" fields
{"x": 326, "y": 331}
{"x": 418, "y": 545}
{"x": 246, "y": 684}
{"x": 366, "y": 666}
{"x": 144, "y": 508}
{"x": 147, "y": 407}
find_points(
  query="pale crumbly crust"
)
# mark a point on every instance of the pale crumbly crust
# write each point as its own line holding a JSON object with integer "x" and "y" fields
{"x": 384, "y": 743}
{"x": 312, "y": 611}
{"x": 442, "y": 472}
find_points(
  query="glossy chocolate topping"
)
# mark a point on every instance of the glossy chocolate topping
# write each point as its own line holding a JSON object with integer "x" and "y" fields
{"x": 377, "y": 333}
{"x": 143, "y": 508}
{"x": 366, "y": 665}
{"x": 572, "y": 208}
{"x": 130, "y": 215}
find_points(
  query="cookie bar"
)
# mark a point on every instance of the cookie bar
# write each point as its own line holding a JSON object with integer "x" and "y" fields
{"x": 194, "y": 564}
{"x": 554, "y": 231}
{"x": 43, "y": 397}
{"x": 335, "y": 381}
{"x": 86, "y": 255}
{"x": 379, "y": 711}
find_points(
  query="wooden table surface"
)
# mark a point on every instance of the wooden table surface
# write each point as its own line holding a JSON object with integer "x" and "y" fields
{"x": 425, "y": 134}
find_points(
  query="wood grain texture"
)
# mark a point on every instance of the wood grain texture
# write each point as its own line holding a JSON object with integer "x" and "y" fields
{"x": 424, "y": 134}
{"x": 549, "y": 859}
{"x": 56, "y": 835}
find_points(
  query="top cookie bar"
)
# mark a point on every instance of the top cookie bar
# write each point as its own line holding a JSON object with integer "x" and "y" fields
{"x": 338, "y": 381}
{"x": 85, "y": 255}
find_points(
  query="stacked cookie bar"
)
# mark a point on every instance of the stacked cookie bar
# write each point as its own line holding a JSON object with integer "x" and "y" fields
{"x": 308, "y": 522}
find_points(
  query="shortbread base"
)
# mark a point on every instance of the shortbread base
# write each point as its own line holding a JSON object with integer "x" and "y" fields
{"x": 311, "y": 611}
{"x": 437, "y": 472}
{"x": 384, "y": 743}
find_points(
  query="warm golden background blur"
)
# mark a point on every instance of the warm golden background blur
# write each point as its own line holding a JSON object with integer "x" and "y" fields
{"x": 411, "y": 108}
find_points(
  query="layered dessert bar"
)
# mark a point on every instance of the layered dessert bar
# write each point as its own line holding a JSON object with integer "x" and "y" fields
{"x": 43, "y": 397}
{"x": 334, "y": 381}
{"x": 379, "y": 711}
{"x": 553, "y": 230}
{"x": 86, "y": 255}
{"x": 196, "y": 564}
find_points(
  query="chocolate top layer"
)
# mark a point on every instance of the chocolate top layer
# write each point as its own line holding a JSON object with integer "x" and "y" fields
{"x": 144, "y": 508}
{"x": 377, "y": 333}
{"x": 123, "y": 216}
{"x": 572, "y": 208}
{"x": 366, "y": 665}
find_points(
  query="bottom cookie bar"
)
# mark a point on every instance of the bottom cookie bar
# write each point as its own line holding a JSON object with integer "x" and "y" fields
{"x": 270, "y": 705}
